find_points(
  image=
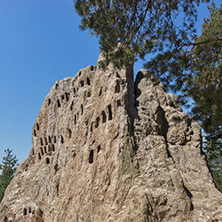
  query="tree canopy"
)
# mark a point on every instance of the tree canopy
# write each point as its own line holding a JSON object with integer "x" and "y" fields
{"x": 195, "y": 71}
{"x": 8, "y": 167}
{"x": 139, "y": 27}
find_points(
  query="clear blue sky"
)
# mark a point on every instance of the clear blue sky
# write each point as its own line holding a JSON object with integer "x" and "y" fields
{"x": 40, "y": 43}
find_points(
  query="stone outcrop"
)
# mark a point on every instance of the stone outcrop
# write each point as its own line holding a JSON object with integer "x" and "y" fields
{"x": 107, "y": 149}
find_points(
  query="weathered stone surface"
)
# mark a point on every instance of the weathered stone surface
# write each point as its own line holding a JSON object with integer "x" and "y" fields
{"x": 107, "y": 149}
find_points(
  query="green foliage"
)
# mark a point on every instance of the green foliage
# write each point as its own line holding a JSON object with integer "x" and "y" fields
{"x": 213, "y": 150}
{"x": 137, "y": 27}
{"x": 206, "y": 89}
{"x": 195, "y": 71}
{"x": 8, "y": 167}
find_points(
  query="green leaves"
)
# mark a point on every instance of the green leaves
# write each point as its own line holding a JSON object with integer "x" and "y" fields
{"x": 8, "y": 167}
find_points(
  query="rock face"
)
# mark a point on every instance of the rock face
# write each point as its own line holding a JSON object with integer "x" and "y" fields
{"x": 107, "y": 149}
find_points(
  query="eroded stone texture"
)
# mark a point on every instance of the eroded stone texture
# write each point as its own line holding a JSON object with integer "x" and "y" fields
{"x": 106, "y": 149}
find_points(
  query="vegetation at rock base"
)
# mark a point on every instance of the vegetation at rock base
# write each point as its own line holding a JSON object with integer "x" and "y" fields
{"x": 186, "y": 64}
{"x": 8, "y": 167}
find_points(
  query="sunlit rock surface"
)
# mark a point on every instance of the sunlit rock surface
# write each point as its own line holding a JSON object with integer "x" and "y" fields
{"x": 107, "y": 149}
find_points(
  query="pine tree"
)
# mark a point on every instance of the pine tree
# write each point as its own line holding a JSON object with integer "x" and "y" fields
{"x": 137, "y": 27}
{"x": 195, "y": 71}
{"x": 8, "y": 167}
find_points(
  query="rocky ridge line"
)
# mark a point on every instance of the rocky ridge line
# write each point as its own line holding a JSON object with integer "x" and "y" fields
{"x": 107, "y": 149}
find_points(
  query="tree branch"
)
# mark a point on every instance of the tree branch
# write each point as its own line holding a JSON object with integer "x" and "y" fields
{"x": 203, "y": 42}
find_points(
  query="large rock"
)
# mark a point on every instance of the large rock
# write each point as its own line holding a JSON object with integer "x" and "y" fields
{"x": 107, "y": 149}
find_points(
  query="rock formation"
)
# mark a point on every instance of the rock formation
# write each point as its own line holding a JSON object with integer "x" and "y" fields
{"x": 107, "y": 149}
